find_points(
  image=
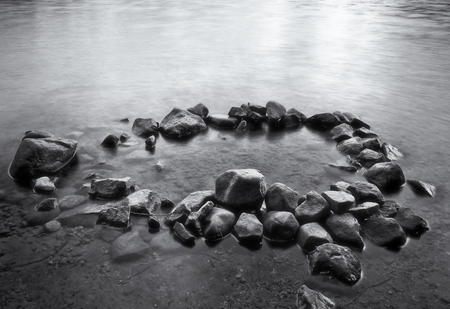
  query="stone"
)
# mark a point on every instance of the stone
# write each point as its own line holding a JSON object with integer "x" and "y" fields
{"x": 127, "y": 247}
{"x": 310, "y": 299}
{"x": 150, "y": 142}
{"x": 280, "y": 226}
{"x": 293, "y": 118}
{"x": 385, "y": 232}
{"x": 358, "y": 123}
{"x": 312, "y": 235}
{"x": 366, "y": 192}
{"x": 181, "y": 124}
{"x": 158, "y": 166}
{"x": 280, "y": 197}
{"x": 37, "y": 134}
{"x": 195, "y": 200}
{"x": 342, "y": 132}
{"x": 153, "y": 223}
{"x": 145, "y": 127}
{"x": 411, "y": 223}
{"x": 237, "y": 112}
{"x": 257, "y": 108}
{"x": 389, "y": 209}
{"x": 352, "y": 146}
{"x": 275, "y": 113}
{"x": 111, "y": 141}
{"x": 252, "y": 115}
{"x": 36, "y": 157}
{"x": 195, "y": 219}
{"x": 222, "y": 121}
{"x": 124, "y": 137}
{"x": 314, "y": 208}
{"x": 242, "y": 126}
{"x": 338, "y": 261}
{"x": 340, "y": 186}
{"x": 115, "y": 216}
{"x": 166, "y": 203}
{"x": 365, "y": 210}
{"x": 371, "y": 143}
{"x": 241, "y": 189}
{"x": 350, "y": 116}
{"x": 52, "y": 226}
{"x": 369, "y": 157}
{"x": 248, "y": 229}
{"x": 71, "y": 201}
{"x": 344, "y": 167}
{"x": 200, "y": 110}
{"x": 44, "y": 185}
{"x": 93, "y": 175}
{"x": 339, "y": 201}
{"x": 387, "y": 175}
{"x": 111, "y": 188}
{"x": 345, "y": 230}
{"x": 422, "y": 187}
{"x": 47, "y": 204}
{"x": 181, "y": 232}
{"x": 342, "y": 118}
{"x": 218, "y": 223}
{"x": 364, "y": 132}
{"x": 390, "y": 152}
{"x": 124, "y": 120}
{"x": 143, "y": 202}
{"x": 323, "y": 121}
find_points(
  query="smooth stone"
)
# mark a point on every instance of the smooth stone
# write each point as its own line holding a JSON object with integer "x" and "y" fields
{"x": 366, "y": 192}
{"x": 385, "y": 232}
{"x": 314, "y": 208}
{"x": 127, "y": 247}
{"x": 248, "y": 229}
{"x": 195, "y": 200}
{"x": 358, "y": 123}
{"x": 237, "y": 112}
{"x": 371, "y": 143}
{"x": 339, "y": 201}
{"x": 386, "y": 175}
{"x": 342, "y": 132}
{"x": 279, "y": 197}
{"x": 44, "y": 185}
{"x": 111, "y": 141}
{"x": 37, "y": 134}
{"x": 118, "y": 217}
{"x": 111, "y": 188}
{"x": 242, "y": 126}
{"x": 166, "y": 203}
{"x": 262, "y": 110}
{"x": 218, "y": 223}
{"x": 158, "y": 166}
{"x": 312, "y": 235}
{"x": 181, "y": 232}
{"x": 293, "y": 118}
{"x": 181, "y": 124}
{"x": 350, "y": 116}
{"x": 341, "y": 117}
{"x": 47, "y": 204}
{"x": 143, "y": 202}
{"x": 364, "y": 132}
{"x": 195, "y": 219}
{"x": 124, "y": 137}
{"x": 145, "y": 127}
{"x": 323, "y": 121}
{"x": 310, "y": 299}
{"x": 222, "y": 121}
{"x": 71, "y": 201}
{"x": 368, "y": 157}
{"x": 352, "y": 146}
{"x": 280, "y": 226}
{"x": 411, "y": 223}
{"x": 365, "y": 210}
{"x": 153, "y": 223}
{"x": 52, "y": 226}
{"x": 389, "y": 209}
{"x": 200, "y": 110}
{"x": 345, "y": 230}
{"x": 390, "y": 152}
{"x": 275, "y": 113}
{"x": 422, "y": 187}
{"x": 252, "y": 115}
{"x": 150, "y": 142}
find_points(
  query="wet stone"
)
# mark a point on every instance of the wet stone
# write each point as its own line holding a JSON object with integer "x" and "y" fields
{"x": 339, "y": 201}
{"x": 222, "y": 121}
{"x": 47, "y": 204}
{"x": 411, "y": 223}
{"x": 358, "y": 123}
{"x": 181, "y": 232}
{"x": 323, "y": 121}
{"x": 369, "y": 157}
{"x": 44, "y": 185}
{"x": 385, "y": 232}
{"x": 111, "y": 188}
{"x": 153, "y": 223}
{"x": 181, "y": 124}
{"x": 352, "y": 146}
{"x": 310, "y": 299}
{"x": 195, "y": 200}
{"x": 280, "y": 197}
{"x": 314, "y": 208}
{"x": 195, "y": 218}
{"x": 118, "y": 217}
{"x": 340, "y": 186}
{"x": 389, "y": 209}
{"x": 275, "y": 113}
{"x": 366, "y": 192}
{"x": 422, "y": 187}
{"x": 391, "y": 153}
{"x": 111, "y": 141}
{"x": 342, "y": 132}
{"x": 312, "y": 235}
{"x": 345, "y": 230}
{"x": 200, "y": 110}
{"x": 280, "y": 226}
{"x": 371, "y": 143}
{"x": 386, "y": 175}
{"x": 237, "y": 112}
{"x": 145, "y": 127}
{"x": 341, "y": 117}
{"x": 143, "y": 202}
{"x": 52, "y": 226}
{"x": 365, "y": 133}
{"x": 124, "y": 137}
{"x": 218, "y": 223}
{"x": 71, "y": 201}
{"x": 365, "y": 210}
{"x": 248, "y": 229}
{"x": 293, "y": 118}
{"x": 150, "y": 142}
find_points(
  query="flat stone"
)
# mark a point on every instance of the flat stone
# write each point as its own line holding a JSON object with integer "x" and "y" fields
{"x": 411, "y": 223}
{"x": 248, "y": 229}
{"x": 310, "y": 299}
{"x": 280, "y": 197}
{"x": 352, "y": 146}
{"x": 365, "y": 210}
{"x": 111, "y": 188}
{"x": 127, "y": 247}
{"x": 181, "y": 124}
{"x": 280, "y": 226}
{"x": 312, "y": 235}
{"x": 218, "y": 223}
{"x": 386, "y": 175}
{"x": 366, "y": 192}
{"x": 118, "y": 217}
{"x": 44, "y": 185}
{"x": 314, "y": 208}
{"x": 222, "y": 121}
{"x": 422, "y": 187}
{"x": 52, "y": 226}
{"x": 385, "y": 232}
{"x": 145, "y": 127}
{"x": 339, "y": 201}
{"x": 345, "y": 230}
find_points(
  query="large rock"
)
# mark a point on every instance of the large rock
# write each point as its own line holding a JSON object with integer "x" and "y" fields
{"x": 280, "y": 197}
{"x": 384, "y": 231}
{"x": 200, "y": 110}
{"x": 180, "y": 124}
{"x": 222, "y": 121}
{"x": 293, "y": 118}
{"x": 275, "y": 113}
{"x": 352, "y": 146}
{"x": 368, "y": 157}
{"x": 312, "y": 235}
{"x": 111, "y": 188}
{"x": 117, "y": 216}
{"x": 339, "y": 201}
{"x": 323, "y": 121}
{"x": 422, "y": 187}
{"x": 391, "y": 152}
{"x": 411, "y": 223}
{"x": 218, "y": 223}
{"x": 145, "y": 127}
{"x": 365, "y": 210}
{"x": 37, "y": 134}
{"x": 143, "y": 202}
{"x": 342, "y": 132}
{"x": 337, "y": 261}
{"x": 386, "y": 175}
{"x": 345, "y": 230}
{"x": 310, "y": 299}
{"x": 127, "y": 247}
{"x": 280, "y": 226}
{"x": 241, "y": 189}
{"x": 366, "y": 192}
{"x": 314, "y": 208}
{"x": 248, "y": 229}
{"x": 40, "y": 156}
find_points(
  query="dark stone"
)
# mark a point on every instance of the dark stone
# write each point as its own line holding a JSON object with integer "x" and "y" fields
{"x": 368, "y": 158}
{"x": 280, "y": 226}
{"x": 181, "y": 124}
{"x": 352, "y": 146}
{"x": 389, "y": 209}
{"x": 41, "y": 156}
{"x": 180, "y": 216}
{"x": 323, "y": 121}
{"x": 71, "y": 201}
{"x": 342, "y": 118}
{"x": 312, "y": 235}
{"x": 111, "y": 188}
{"x": 350, "y": 116}
{"x": 422, "y": 187}
{"x": 339, "y": 201}
{"x": 150, "y": 142}
{"x": 344, "y": 167}
{"x": 365, "y": 133}
{"x": 275, "y": 113}
{"x": 366, "y": 192}
{"x": 241, "y": 189}
{"x": 314, "y": 208}
{"x": 115, "y": 216}
{"x": 358, "y": 123}
{"x": 411, "y": 223}
{"x": 199, "y": 110}
{"x": 218, "y": 223}
{"x": 47, "y": 204}
{"x": 391, "y": 153}
{"x": 153, "y": 223}
{"x": 127, "y": 247}
{"x": 143, "y": 202}
{"x": 280, "y": 197}
{"x": 248, "y": 229}
{"x": 125, "y": 120}
{"x": 37, "y": 134}
{"x": 111, "y": 141}
{"x": 371, "y": 143}
{"x": 310, "y": 299}
{"x": 365, "y": 210}
{"x": 252, "y": 115}
{"x": 145, "y": 127}
{"x": 195, "y": 218}
{"x": 337, "y": 261}
{"x": 181, "y": 232}
{"x": 166, "y": 203}
{"x": 386, "y": 175}
{"x": 222, "y": 121}
{"x": 384, "y": 231}
{"x": 293, "y": 118}
{"x": 257, "y": 108}
{"x": 242, "y": 126}
{"x": 345, "y": 229}
{"x": 124, "y": 137}
{"x": 237, "y": 112}
{"x": 342, "y": 132}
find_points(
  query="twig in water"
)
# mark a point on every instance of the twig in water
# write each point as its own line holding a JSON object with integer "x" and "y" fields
{"x": 369, "y": 287}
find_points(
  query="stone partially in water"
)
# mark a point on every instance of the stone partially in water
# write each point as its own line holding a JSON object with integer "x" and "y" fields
{"x": 150, "y": 142}
{"x": 127, "y": 247}
{"x": 47, "y": 204}
{"x": 111, "y": 141}
{"x": 352, "y": 146}
{"x": 218, "y": 223}
{"x": 222, "y": 121}
{"x": 314, "y": 208}
{"x": 293, "y": 117}
{"x": 345, "y": 230}
{"x": 391, "y": 153}
{"x": 280, "y": 197}
{"x": 323, "y": 121}
{"x": 44, "y": 185}
{"x": 143, "y": 202}
{"x": 422, "y": 187}
{"x": 52, "y": 226}
{"x": 368, "y": 157}
{"x": 200, "y": 110}
{"x": 145, "y": 127}
{"x": 310, "y": 299}
{"x": 365, "y": 133}
{"x": 248, "y": 229}
{"x": 181, "y": 232}
{"x": 275, "y": 113}
{"x": 389, "y": 209}
{"x": 386, "y": 175}
{"x": 366, "y": 192}
{"x": 411, "y": 223}
{"x": 195, "y": 200}
{"x": 37, "y": 134}
{"x": 385, "y": 232}
{"x": 115, "y": 216}
{"x": 372, "y": 143}
{"x": 312, "y": 235}
{"x": 365, "y": 210}
{"x": 339, "y": 201}
{"x": 71, "y": 201}
{"x": 110, "y": 188}
{"x": 340, "y": 186}
{"x": 280, "y": 226}
{"x": 181, "y": 124}
{"x": 342, "y": 132}
{"x": 195, "y": 219}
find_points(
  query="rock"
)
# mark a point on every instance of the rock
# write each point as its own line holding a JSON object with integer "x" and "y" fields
{"x": 280, "y": 197}
{"x": 34, "y": 217}
{"x": 280, "y": 226}
{"x": 150, "y": 142}
{"x": 111, "y": 141}
{"x": 352, "y": 146}
{"x": 124, "y": 137}
{"x": 38, "y": 156}
{"x": 411, "y": 223}
{"x": 358, "y": 123}
{"x": 337, "y": 261}
{"x": 52, "y": 226}
{"x": 37, "y": 134}
{"x": 179, "y": 216}
{"x": 222, "y": 121}
{"x": 153, "y": 223}
{"x": 241, "y": 189}
{"x": 238, "y": 113}
{"x": 342, "y": 132}
{"x": 124, "y": 120}
{"x": 257, "y": 108}
{"x": 275, "y": 113}
{"x": 371, "y": 143}
{"x": 345, "y": 229}
{"x": 390, "y": 152}
{"x": 384, "y": 231}
{"x": 44, "y": 185}
{"x": 389, "y": 209}
{"x": 158, "y": 166}
{"x": 115, "y": 216}
{"x": 350, "y": 116}
{"x": 47, "y": 204}
{"x": 248, "y": 229}
{"x": 339, "y": 201}
{"x": 344, "y": 167}
{"x": 143, "y": 202}
{"x": 312, "y": 235}
{"x": 71, "y": 201}
{"x": 181, "y": 124}
{"x": 200, "y": 110}
{"x": 110, "y": 188}
{"x": 365, "y": 210}
{"x": 166, "y": 203}
{"x": 145, "y": 127}
{"x": 366, "y": 192}
{"x": 314, "y": 208}
{"x": 218, "y": 223}
{"x": 195, "y": 219}
{"x": 340, "y": 186}
{"x": 181, "y": 232}
{"x": 422, "y": 187}
{"x": 93, "y": 175}
{"x": 293, "y": 118}
{"x": 195, "y": 200}
{"x": 364, "y": 132}
{"x": 242, "y": 126}
{"x": 323, "y": 121}
{"x": 368, "y": 158}
{"x": 127, "y": 247}
{"x": 342, "y": 118}
{"x": 310, "y": 299}
{"x": 386, "y": 175}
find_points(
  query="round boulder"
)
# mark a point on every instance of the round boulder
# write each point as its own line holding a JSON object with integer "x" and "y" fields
{"x": 280, "y": 226}
{"x": 386, "y": 175}
{"x": 181, "y": 124}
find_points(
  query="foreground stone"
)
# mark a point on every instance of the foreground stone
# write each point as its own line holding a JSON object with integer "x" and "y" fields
{"x": 111, "y": 141}
{"x": 143, "y": 202}
{"x": 275, "y": 113}
{"x": 339, "y": 201}
{"x": 280, "y": 197}
{"x": 115, "y": 216}
{"x": 293, "y": 118}
{"x": 422, "y": 187}
{"x": 366, "y": 192}
{"x": 312, "y": 235}
{"x": 200, "y": 110}
{"x": 39, "y": 156}
{"x": 237, "y": 112}
{"x": 345, "y": 230}
{"x": 195, "y": 200}
{"x": 280, "y": 226}
{"x": 145, "y": 127}
{"x": 195, "y": 219}
{"x": 110, "y": 188}
{"x": 337, "y": 261}
{"x": 37, "y": 134}
{"x": 241, "y": 189}
{"x": 52, "y": 226}
{"x": 310, "y": 299}
{"x": 314, "y": 208}
{"x": 391, "y": 153}
{"x": 222, "y": 121}
{"x": 385, "y": 232}
{"x": 342, "y": 132}
{"x": 47, "y": 204}
{"x": 248, "y": 229}
{"x": 352, "y": 146}
{"x": 411, "y": 223}
{"x": 386, "y": 175}
{"x": 181, "y": 232}
{"x": 44, "y": 185}
{"x": 127, "y": 247}
{"x": 181, "y": 124}
{"x": 218, "y": 223}
{"x": 365, "y": 210}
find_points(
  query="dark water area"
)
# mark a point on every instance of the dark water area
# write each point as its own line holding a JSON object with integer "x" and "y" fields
{"x": 74, "y": 68}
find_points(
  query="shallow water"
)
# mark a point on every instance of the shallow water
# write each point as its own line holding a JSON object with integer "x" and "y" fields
{"x": 75, "y": 68}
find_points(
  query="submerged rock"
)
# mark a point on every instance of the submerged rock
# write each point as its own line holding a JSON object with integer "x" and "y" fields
{"x": 127, "y": 247}
{"x": 314, "y": 208}
{"x": 124, "y": 137}
{"x": 386, "y": 175}
{"x": 44, "y": 185}
{"x": 222, "y": 121}
{"x": 181, "y": 124}
{"x": 312, "y": 235}
{"x": 391, "y": 153}
{"x": 422, "y": 187}
{"x": 150, "y": 142}
{"x": 366, "y": 192}
{"x": 145, "y": 127}
{"x": 200, "y": 110}
{"x": 111, "y": 141}
{"x": 339, "y": 201}
{"x": 218, "y": 223}
{"x": 345, "y": 230}
{"x": 280, "y": 197}
{"x": 280, "y": 226}
{"x": 385, "y": 232}
{"x": 275, "y": 113}
{"x": 181, "y": 232}
{"x": 248, "y": 229}
{"x": 110, "y": 188}
{"x": 323, "y": 121}
{"x": 352, "y": 146}
{"x": 71, "y": 201}
{"x": 411, "y": 223}
{"x": 310, "y": 299}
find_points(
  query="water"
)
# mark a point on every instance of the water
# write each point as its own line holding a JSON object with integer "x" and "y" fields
{"x": 75, "y": 66}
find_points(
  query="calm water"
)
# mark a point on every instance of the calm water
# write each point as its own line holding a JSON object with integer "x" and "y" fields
{"x": 75, "y": 67}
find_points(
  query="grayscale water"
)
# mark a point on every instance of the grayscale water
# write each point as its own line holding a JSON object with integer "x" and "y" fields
{"x": 74, "y": 68}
